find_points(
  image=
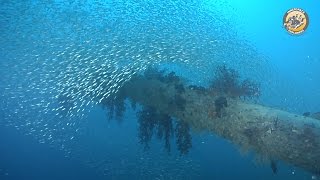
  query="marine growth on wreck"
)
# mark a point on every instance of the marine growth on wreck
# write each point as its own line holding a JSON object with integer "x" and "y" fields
{"x": 222, "y": 109}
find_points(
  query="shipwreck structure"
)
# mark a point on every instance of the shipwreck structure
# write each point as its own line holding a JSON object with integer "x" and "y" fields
{"x": 272, "y": 133}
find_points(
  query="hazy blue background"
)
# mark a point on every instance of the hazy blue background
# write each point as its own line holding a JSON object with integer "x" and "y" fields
{"x": 295, "y": 87}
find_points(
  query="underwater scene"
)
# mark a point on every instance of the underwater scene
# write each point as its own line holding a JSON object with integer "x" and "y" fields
{"x": 159, "y": 90}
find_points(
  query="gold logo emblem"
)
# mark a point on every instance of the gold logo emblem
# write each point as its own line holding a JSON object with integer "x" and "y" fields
{"x": 296, "y": 21}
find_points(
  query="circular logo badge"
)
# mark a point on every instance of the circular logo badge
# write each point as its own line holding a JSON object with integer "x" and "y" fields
{"x": 295, "y": 21}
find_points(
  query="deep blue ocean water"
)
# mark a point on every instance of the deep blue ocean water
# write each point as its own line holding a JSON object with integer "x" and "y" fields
{"x": 48, "y": 45}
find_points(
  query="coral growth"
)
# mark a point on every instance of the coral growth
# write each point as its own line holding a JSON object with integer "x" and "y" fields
{"x": 308, "y": 136}
{"x": 179, "y": 88}
{"x": 178, "y": 103}
{"x": 154, "y": 73}
{"x": 249, "y": 88}
{"x": 183, "y": 140}
{"x": 220, "y": 103}
{"x": 252, "y": 134}
{"x": 115, "y": 106}
{"x": 227, "y": 82}
{"x": 198, "y": 89}
{"x": 147, "y": 123}
{"x": 163, "y": 76}
{"x": 153, "y": 122}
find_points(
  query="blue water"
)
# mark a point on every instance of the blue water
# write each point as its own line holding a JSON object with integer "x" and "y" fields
{"x": 34, "y": 33}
